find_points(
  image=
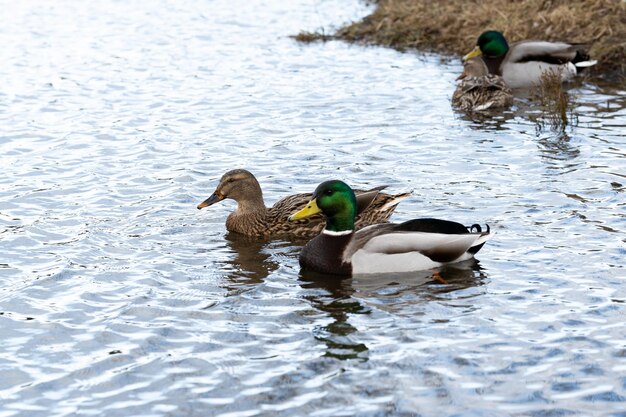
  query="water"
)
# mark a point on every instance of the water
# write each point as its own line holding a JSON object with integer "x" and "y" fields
{"x": 119, "y": 298}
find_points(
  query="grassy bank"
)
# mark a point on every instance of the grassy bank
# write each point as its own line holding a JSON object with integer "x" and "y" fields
{"x": 452, "y": 26}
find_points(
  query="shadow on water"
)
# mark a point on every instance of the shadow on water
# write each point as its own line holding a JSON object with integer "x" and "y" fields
{"x": 335, "y": 301}
{"x": 557, "y": 149}
{"x": 252, "y": 260}
{"x": 398, "y": 294}
{"x": 487, "y": 120}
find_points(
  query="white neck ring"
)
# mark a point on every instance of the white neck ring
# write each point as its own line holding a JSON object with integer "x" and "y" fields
{"x": 332, "y": 233}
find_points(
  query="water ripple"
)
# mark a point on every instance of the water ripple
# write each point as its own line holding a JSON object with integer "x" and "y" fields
{"x": 117, "y": 297}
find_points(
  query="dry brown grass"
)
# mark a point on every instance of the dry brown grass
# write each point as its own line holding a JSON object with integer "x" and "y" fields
{"x": 307, "y": 37}
{"x": 452, "y": 26}
{"x": 556, "y": 104}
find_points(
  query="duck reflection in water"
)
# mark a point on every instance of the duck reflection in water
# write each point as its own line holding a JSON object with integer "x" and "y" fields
{"x": 333, "y": 297}
{"x": 558, "y": 153}
{"x": 251, "y": 262}
{"x": 397, "y": 294}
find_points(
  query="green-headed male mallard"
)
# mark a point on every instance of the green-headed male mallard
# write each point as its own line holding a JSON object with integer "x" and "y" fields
{"x": 522, "y": 64}
{"x": 381, "y": 248}
{"x": 479, "y": 90}
{"x": 252, "y": 218}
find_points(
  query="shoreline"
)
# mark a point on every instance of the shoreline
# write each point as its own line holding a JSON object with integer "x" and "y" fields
{"x": 452, "y": 27}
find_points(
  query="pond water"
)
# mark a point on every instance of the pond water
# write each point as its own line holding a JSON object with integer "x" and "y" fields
{"x": 119, "y": 298}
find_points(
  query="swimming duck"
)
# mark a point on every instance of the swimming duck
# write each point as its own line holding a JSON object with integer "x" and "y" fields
{"x": 381, "y": 248}
{"x": 480, "y": 90}
{"x": 522, "y": 63}
{"x": 253, "y": 218}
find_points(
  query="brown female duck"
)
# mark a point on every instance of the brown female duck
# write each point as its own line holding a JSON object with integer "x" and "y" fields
{"x": 480, "y": 90}
{"x": 253, "y": 218}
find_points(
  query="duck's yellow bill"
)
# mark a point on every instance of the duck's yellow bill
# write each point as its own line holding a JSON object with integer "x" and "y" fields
{"x": 475, "y": 52}
{"x": 310, "y": 210}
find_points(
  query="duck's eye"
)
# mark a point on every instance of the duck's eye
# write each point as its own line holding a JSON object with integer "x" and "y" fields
{"x": 328, "y": 192}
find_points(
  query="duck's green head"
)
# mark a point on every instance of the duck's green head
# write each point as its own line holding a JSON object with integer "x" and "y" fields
{"x": 335, "y": 199}
{"x": 491, "y": 44}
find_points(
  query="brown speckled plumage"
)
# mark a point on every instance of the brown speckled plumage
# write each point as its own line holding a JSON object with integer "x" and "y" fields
{"x": 253, "y": 218}
{"x": 480, "y": 90}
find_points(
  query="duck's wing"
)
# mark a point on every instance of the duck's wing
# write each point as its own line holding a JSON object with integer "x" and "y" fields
{"x": 496, "y": 93}
{"x": 556, "y": 53}
{"x": 495, "y": 82}
{"x": 291, "y": 203}
{"x": 439, "y": 240}
{"x": 380, "y": 209}
{"x": 365, "y": 198}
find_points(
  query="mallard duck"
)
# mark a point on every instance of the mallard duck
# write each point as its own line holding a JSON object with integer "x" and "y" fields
{"x": 252, "y": 218}
{"x": 381, "y": 248}
{"x": 479, "y": 90}
{"x": 523, "y": 63}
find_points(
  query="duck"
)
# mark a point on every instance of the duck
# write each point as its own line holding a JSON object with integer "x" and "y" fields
{"x": 479, "y": 90}
{"x": 252, "y": 218}
{"x": 522, "y": 64}
{"x": 413, "y": 245}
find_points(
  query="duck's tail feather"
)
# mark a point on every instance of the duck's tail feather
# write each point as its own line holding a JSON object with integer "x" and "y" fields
{"x": 395, "y": 201}
{"x": 484, "y": 237}
{"x": 379, "y": 188}
{"x": 582, "y": 59}
{"x": 585, "y": 64}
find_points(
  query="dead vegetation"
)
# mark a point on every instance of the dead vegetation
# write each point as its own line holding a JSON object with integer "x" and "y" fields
{"x": 556, "y": 104}
{"x": 452, "y": 26}
{"x": 307, "y": 37}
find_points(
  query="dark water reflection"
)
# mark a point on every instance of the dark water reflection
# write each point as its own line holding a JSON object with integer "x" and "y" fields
{"x": 333, "y": 297}
{"x": 558, "y": 147}
{"x": 341, "y": 298}
{"x": 251, "y": 259}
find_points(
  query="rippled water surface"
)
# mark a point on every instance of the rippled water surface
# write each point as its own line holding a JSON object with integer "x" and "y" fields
{"x": 119, "y": 298}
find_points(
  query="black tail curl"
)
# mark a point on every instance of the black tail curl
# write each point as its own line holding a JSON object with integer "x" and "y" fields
{"x": 475, "y": 228}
